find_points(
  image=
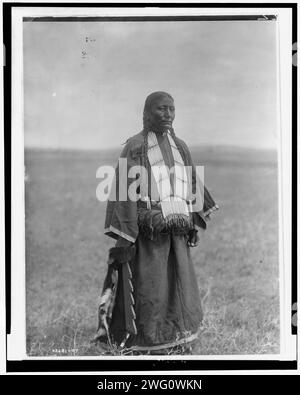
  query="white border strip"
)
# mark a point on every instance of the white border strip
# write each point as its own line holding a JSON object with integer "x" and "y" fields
{"x": 284, "y": 149}
{"x": 16, "y": 346}
{"x": 2, "y": 220}
{"x": 140, "y": 11}
{"x": 16, "y": 341}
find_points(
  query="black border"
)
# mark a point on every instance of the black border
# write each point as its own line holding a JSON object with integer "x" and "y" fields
{"x": 65, "y": 365}
{"x": 294, "y": 172}
{"x": 7, "y": 156}
{"x": 150, "y": 18}
{"x": 141, "y": 365}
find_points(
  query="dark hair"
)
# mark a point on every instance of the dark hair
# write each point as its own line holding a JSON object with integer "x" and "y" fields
{"x": 146, "y": 126}
{"x": 148, "y": 103}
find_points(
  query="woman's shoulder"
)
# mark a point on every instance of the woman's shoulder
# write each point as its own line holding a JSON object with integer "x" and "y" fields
{"x": 182, "y": 144}
{"x": 133, "y": 144}
{"x": 134, "y": 140}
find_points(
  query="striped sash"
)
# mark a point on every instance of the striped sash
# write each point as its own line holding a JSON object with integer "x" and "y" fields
{"x": 172, "y": 202}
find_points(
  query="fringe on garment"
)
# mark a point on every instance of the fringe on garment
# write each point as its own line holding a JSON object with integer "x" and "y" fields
{"x": 116, "y": 255}
{"x": 152, "y": 223}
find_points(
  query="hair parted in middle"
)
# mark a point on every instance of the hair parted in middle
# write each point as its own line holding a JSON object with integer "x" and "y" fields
{"x": 152, "y": 98}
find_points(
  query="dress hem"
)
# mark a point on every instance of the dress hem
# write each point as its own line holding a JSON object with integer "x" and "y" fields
{"x": 167, "y": 345}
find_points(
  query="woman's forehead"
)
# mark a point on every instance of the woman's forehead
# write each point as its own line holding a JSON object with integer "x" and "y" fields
{"x": 163, "y": 100}
{"x": 154, "y": 97}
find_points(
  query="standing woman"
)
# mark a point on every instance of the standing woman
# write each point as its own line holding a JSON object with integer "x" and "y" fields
{"x": 150, "y": 301}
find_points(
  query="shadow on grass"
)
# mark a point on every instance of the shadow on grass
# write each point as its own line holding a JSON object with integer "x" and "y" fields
{"x": 228, "y": 328}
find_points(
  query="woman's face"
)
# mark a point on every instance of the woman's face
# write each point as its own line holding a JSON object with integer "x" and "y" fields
{"x": 162, "y": 114}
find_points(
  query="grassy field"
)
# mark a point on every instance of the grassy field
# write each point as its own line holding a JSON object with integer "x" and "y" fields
{"x": 66, "y": 252}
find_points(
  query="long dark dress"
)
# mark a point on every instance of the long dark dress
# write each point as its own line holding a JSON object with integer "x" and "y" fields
{"x": 166, "y": 297}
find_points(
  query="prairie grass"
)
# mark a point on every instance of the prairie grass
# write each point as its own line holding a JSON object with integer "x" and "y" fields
{"x": 66, "y": 251}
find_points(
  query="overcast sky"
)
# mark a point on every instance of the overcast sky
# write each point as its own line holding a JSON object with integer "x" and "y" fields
{"x": 85, "y": 83}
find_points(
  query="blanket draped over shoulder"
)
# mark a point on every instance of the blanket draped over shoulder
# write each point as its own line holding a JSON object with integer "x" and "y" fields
{"x": 150, "y": 301}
